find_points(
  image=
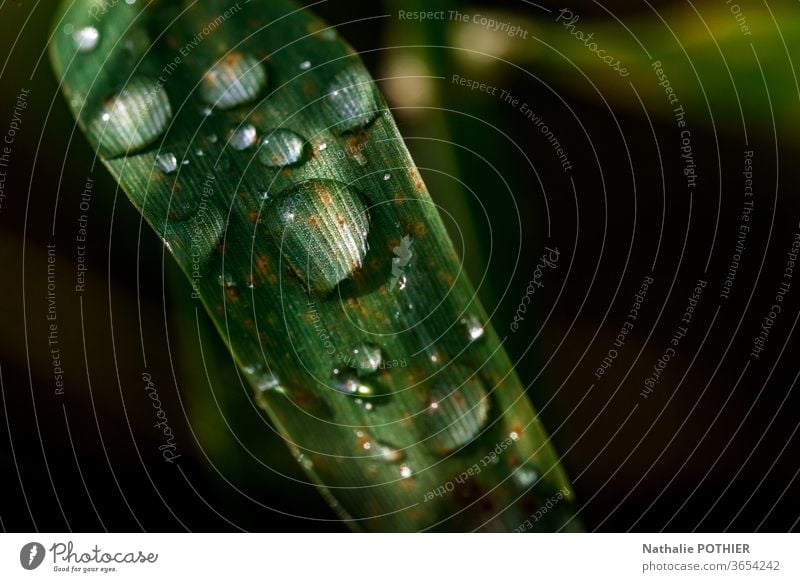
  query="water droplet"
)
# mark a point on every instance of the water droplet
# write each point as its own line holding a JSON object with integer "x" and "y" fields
{"x": 281, "y": 148}
{"x": 133, "y": 118}
{"x": 236, "y": 79}
{"x": 193, "y": 238}
{"x": 321, "y": 228}
{"x": 402, "y": 282}
{"x": 405, "y": 471}
{"x": 305, "y": 462}
{"x": 386, "y": 177}
{"x": 69, "y": 28}
{"x": 456, "y": 414}
{"x": 166, "y": 162}
{"x": 305, "y": 65}
{"x": 525, "y": 476}
{"x": 366, "y": 359}
{"x": 473, "y": 327}
{"x": 226, "y": 280}
{"x": 348, "y": 383}
{"x": 388, "y": 453}
{"x": 86, "y": 39}
{"x": 322, "y": 147}
{"x": 352, "y": 99}
{"x": 365, "y": 404}
{"x": 242, "y": 137}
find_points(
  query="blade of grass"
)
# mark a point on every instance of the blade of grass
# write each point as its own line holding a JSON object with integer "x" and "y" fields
{"x": 317, "y": 253}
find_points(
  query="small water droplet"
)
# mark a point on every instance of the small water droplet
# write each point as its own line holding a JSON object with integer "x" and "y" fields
{"x": 402, "y": 282}
{"x": 280, "y": 148}
{"x": 386, "y": 177}
{"x": 86, "y": 39}
{"x": 166, "y": 162}
{"x": 133, "y": 118}
{"x": 69, "y": 28}
{"x": 405, "y": 471}
{"x": 321, "y": 228}
{"x": 322, "y": 147}
{"x": 207, "y": 111}
{"x": 525, "y": 476}
{"x": 236, "y": 79}
{"x": 242, "y": 137}
{"x": 365, "y": 404}
{"x": 305, "y": 65}
{"x": 388, "y": 453}
{"x": 305, "y": 462}
{"x": 366, "y": 359}
{"x": 473, "y": 327}
{"x": 226, "y": 280}
{"x": 456, "y": 414}
{"x": 352, "y": 99}
{"x": 348, "y": 383}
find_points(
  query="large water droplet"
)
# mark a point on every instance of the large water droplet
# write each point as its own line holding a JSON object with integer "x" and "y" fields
{"x": 86, "y": 39}
{"x": 352, "y": 99}
{"x": 242, "y": 137}
{"x": 192, "y": 240}
{"x": 321, "y": 228}
{"x": 281, "y": 148}
{"x": 133, "y": 118}
{"x": 236, "y": 79}
{"x": 366, "y": 359}
{"x": 166, "y": 162}
{"x": 405, "y": 471}
{"x": 456, "y": 413}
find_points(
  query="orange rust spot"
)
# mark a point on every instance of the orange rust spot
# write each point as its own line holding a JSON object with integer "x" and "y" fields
{"x": 420, "y": 229}
{"x": 310, "y": 88}
{"x": 262, "y": 264}
{"x": 253, "y": 216}
{"x": 249, "y": 324}
{"x": 445, "y": 277}
{"x": 219, "y": 308}
{"x": 232, "y": 294}
{"x": 251, "y": 280}
{"x": 313, "y": 221}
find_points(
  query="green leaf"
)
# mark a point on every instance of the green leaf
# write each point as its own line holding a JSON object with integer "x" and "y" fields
{"x": 253, "y": 140}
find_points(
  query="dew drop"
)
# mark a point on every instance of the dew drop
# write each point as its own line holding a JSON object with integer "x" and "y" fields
{"x": 525, "y": 476}
{"x": 366, "y": 359}
{"x": 86, "y": 39}
{"x": 405, "y": 471}
{"x": 242, "y": 137}
{"x": 348, "y": 383}
{"x": 352, "y": 99}
{"x": 166, "y": 162}
{"x": 321, "y": 228}
{"x": 236, "y": 79}
{"x": 386, "y": 177}
{"x": 133, "y": 118}
{"x": 226, "y": 280}
{"x": 387, "y": 452}
{"x": 280, "y": 148}
{"x": 305, "y": 65}
{"x": 305, "y": 462}
{"x": 472, "y": 327}
{"x": 456, "y": 414}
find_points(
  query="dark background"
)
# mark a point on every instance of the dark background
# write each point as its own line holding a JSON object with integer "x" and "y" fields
{"x": 712, "y": 449}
